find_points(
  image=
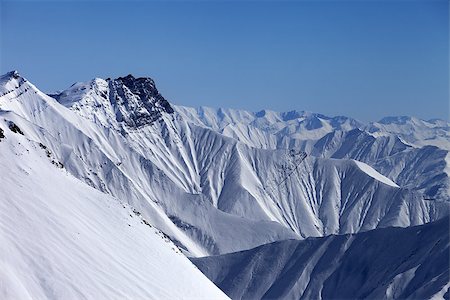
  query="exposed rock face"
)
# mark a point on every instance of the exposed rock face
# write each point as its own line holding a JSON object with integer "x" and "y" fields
{"x": 123, "y": 102}
{"x": 137, "y": 102}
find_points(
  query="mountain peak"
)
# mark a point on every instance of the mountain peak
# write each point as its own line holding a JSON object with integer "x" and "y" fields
{"x": 291, "y": 115}
{"x": 10, "y": 75}
{"x": 142, "y": 86}
{"x": 396, "y": 120}
{"x": 138, "y": 100}
{"x": 12, "y": 85}
{"x": 130, "y": 101}
{"x": 130, "y": 79}
{"x": 14, "y": 74}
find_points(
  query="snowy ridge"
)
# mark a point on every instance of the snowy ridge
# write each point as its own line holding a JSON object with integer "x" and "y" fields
{"x": 208, "y": 192}
{"x": 415, "y": 131}
{"x": 58, "y": 239}
{"x": 412, "y": 143}
{"x": 289, "y": 129}
{"x": 389, "y": 263}
{"x": 132, "y": 101}
{"x": 104, "y": 159}
{"x": 230, "y": 175}
{"x": 219, "y": 181}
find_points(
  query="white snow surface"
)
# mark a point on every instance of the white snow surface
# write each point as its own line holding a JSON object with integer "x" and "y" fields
{"x": 210, "y": 193}
{"x": 374, "y": 174}
{"x": 61, "y": 239}
{"x": 214, "y": 181}
{"x": 415, "y": 131}
{"x": 409, "y": 151}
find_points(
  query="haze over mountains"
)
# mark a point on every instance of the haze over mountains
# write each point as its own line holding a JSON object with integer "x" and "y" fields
{"x": 213, "y": 181}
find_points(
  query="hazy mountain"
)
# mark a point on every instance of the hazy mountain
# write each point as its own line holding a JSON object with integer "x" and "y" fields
{"x": 412, "y": 152}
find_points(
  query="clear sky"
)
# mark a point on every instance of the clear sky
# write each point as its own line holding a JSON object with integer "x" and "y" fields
{"x": 364, "y": 59}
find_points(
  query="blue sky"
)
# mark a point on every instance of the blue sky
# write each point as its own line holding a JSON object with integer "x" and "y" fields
{"x": 364, "y": 59}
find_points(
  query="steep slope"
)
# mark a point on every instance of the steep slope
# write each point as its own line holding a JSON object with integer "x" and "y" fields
{"x": 414, "y": 153}
{"x": 110, "y": 161}
{"x": 390, "y": 263}
{"x": 322, "y": 197}
{"x": 423, "y": 169}
{"x": 268, "y": 129}
{"x": 414, "y": 131}
{"x": 92, "y": 153}
{"x": 326, "y": 196}
{"x": 61, "y": 239}
{"x": 210, "y": 193}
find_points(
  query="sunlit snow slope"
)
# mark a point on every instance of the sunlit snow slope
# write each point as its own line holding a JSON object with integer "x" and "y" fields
{"x": 212, "y": 194}
{"x": 107, "y": 158}
{"x": 320, "y": 197}
{"x": 61, "y": 239}
{"x": 411, "y": 152}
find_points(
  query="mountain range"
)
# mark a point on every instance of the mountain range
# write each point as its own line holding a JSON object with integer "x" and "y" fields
{"x": 110, "y": 167}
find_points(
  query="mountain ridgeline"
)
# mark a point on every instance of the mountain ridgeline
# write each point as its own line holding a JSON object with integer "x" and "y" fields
{"x": 218, "y": 181}
{"x": 133, "y": 101}
{"x": 393, "y": 263}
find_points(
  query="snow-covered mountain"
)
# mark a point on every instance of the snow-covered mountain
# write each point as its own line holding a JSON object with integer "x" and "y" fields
{"x": 412, "y": 152}
{"x": 61, "y": 239}
{"x": 414, "y": 131}
{"x": 210, "y": 193}
{"x": 221, "y": 181}
{"x": 268, "y": 129}
{"x": 294, "y": 128}
{"x": 388, "y": 263}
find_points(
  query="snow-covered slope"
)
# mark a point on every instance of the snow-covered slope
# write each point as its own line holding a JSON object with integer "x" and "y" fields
{"x": 423, "y": 169}
{"x": 215, "y": 182}
{"x": 291, "y": 129}
{"x": 409, "y": 151}
{"x": 61, "y": 239}
{"x": 112, "y": 162}
{"x": 322, "y": 197}
{"x": 389, "y": 263}
{"x": 414, "y": 131}
{"x": 210, "y": 193}
{"x": 374, "y": 174}
{"x": 266, "y": 128}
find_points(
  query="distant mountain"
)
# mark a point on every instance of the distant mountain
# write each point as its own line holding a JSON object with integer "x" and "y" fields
{"x": 268, "y": 129}
{"x": 415, "y": 131}
{"x": 412, "y": 152}
{"x": 388, "y": 263}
